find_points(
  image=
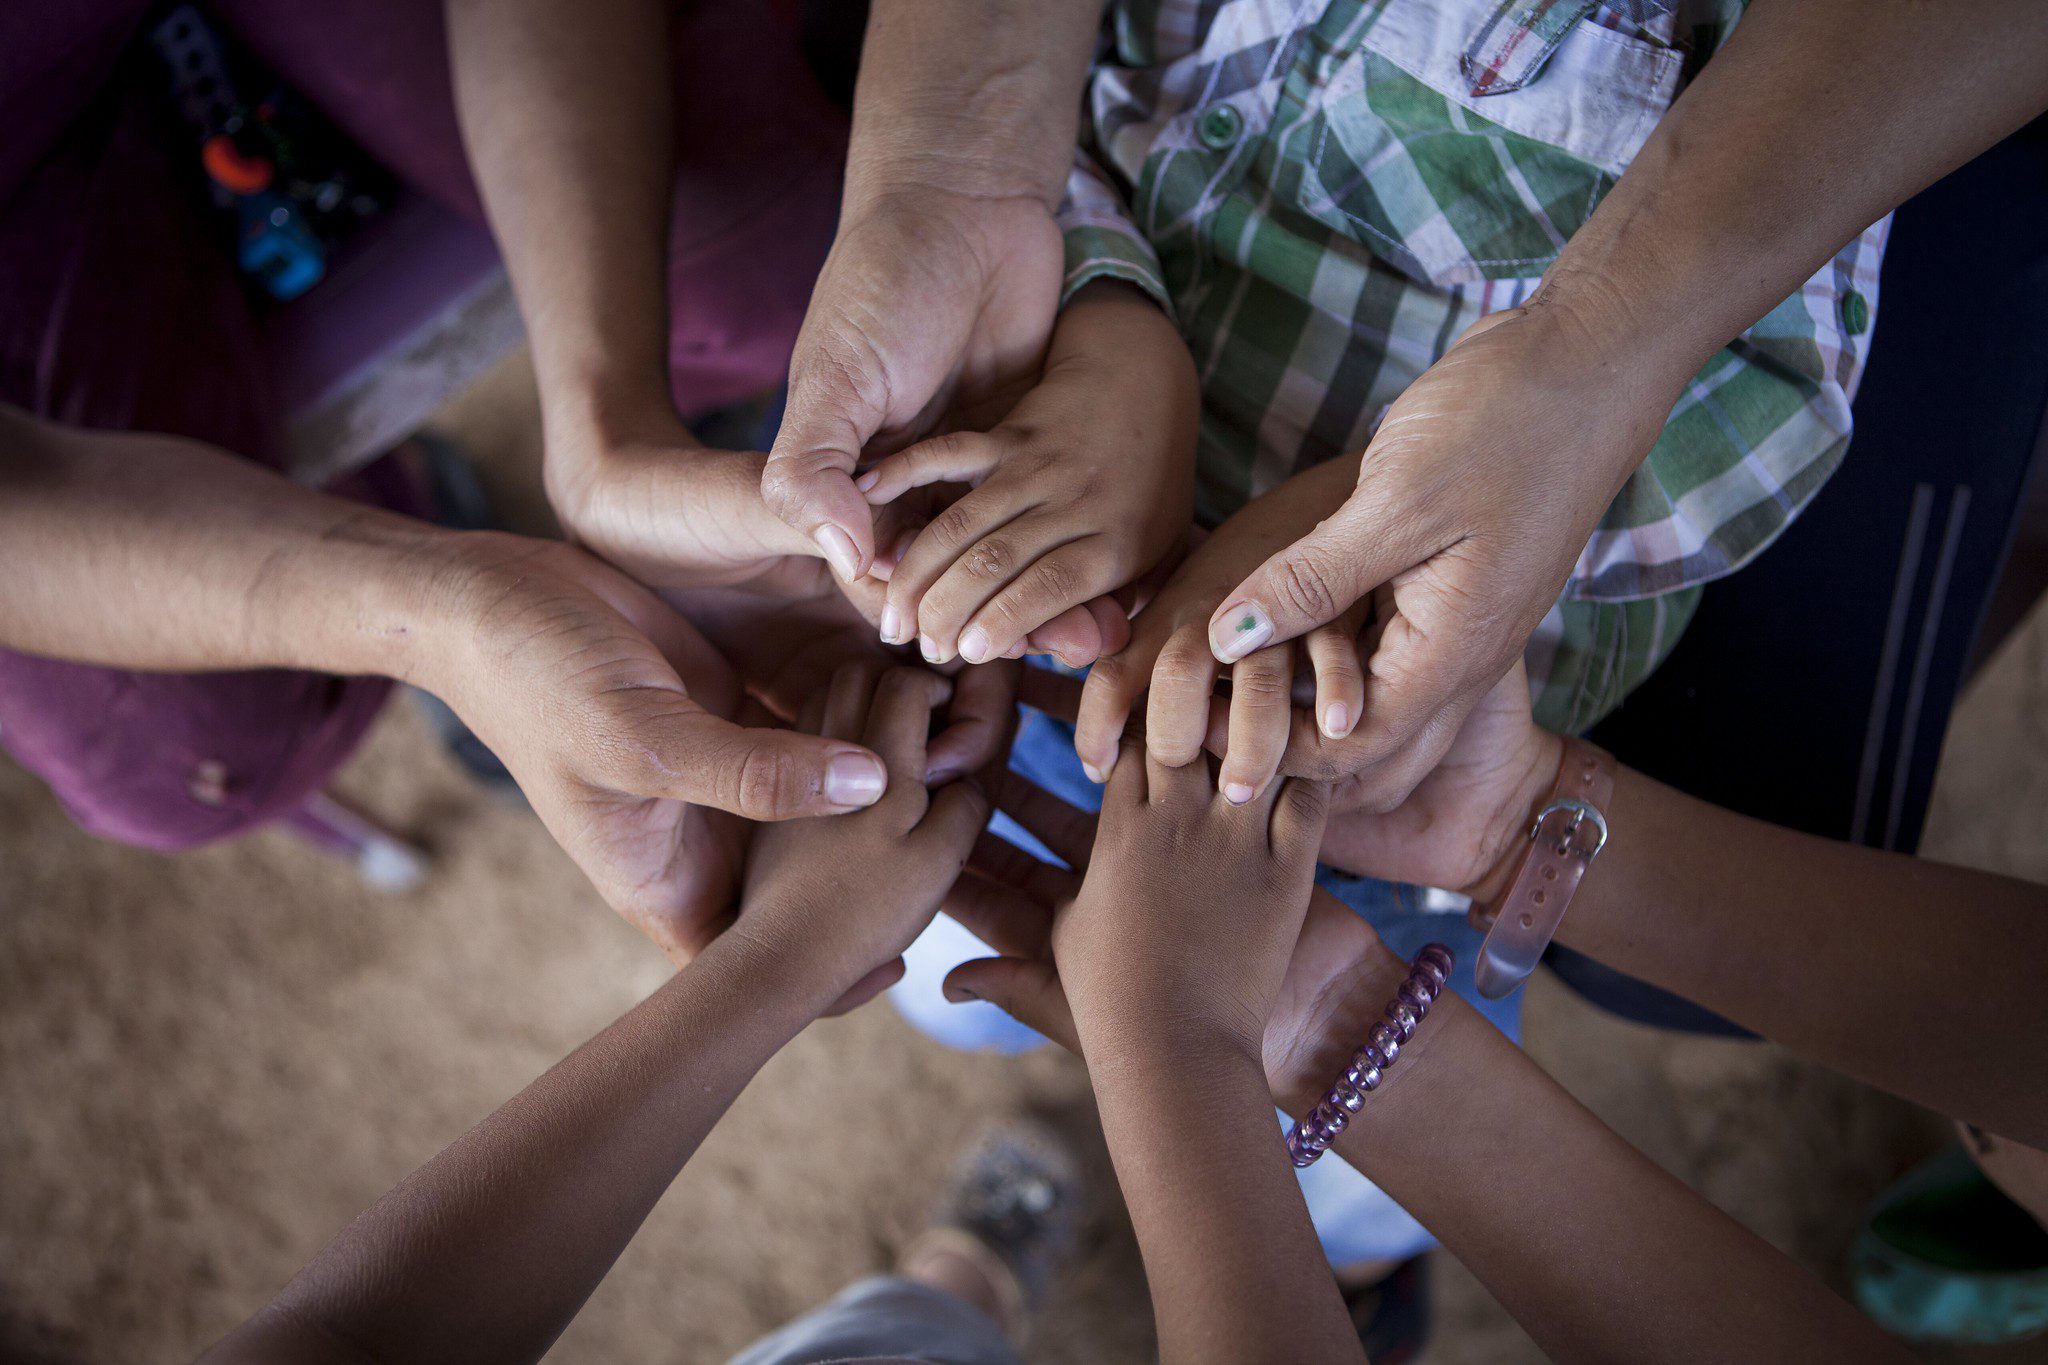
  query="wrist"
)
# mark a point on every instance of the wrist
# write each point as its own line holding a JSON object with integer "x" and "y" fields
{"x": 1509, "y": 839}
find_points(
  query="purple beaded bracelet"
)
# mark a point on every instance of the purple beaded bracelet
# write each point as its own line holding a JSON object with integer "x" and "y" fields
{"x": 1312, "y": 1136}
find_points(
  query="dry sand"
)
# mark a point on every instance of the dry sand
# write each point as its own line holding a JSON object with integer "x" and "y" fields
{"x": 209, "y": 1063}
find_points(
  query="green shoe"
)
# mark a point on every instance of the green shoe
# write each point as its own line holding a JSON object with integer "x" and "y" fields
{"x": 1944, "y": 1256}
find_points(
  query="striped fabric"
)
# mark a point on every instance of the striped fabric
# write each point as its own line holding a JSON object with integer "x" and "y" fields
{"x": 1324, "y": 193}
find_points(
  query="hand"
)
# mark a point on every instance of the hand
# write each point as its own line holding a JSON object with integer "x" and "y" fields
{"x": 646, "y": 495}
{"x": 1085, "y": 485}
{"x": 1186, "y": 909}
{"x": 1466, "y": 823}
{"x": 1169, "y": 654}
{"x": 612, "y": 714}
{"x": 930, "y": 301}
{"x": 846, "y": 896}
{"x": 1473, "y": 501}
{"x": 1337, "y": 978}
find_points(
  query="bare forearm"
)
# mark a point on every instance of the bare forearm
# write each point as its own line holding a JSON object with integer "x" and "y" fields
{"x": 1597, "y": 1253}
{"x": 1814, "y": 120}
{"x": 978, "y": 96}
{"x": 151, "y": 552}
{"x": 487, "y": 1251}
{"x": 565, "y": 111}
{"x": 1232, "y": 1261}
{"x": 1843, "y": 953}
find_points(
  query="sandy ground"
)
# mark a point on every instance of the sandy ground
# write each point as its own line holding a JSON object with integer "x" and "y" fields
{"x": 209, "y": 1063}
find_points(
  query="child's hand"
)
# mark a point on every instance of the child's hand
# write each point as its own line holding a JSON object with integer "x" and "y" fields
{"x": 843, "y": 897}
{"x": 1086, "y": 485}
{"x": 1169, "y": 654}
{"x": 1338, "y": 975}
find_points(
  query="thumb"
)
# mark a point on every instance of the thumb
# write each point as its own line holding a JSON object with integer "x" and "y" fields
{"x": 1026, "y": 989}
{"x": 808, "y": 480}
{"x": 759, "y": 774}
{"x": 1310, "y": 583}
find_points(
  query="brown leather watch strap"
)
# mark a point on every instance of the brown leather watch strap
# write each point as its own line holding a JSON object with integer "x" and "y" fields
{"x": 1568, "y": 832}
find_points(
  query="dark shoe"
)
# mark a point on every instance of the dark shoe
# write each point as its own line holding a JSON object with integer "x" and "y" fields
{"x": 1014, "y": 1212}
{"x": 1944, "y": 1256}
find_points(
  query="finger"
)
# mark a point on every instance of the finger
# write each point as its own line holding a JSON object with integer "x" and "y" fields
{"x": 1111, "y": 689}
{"x": 1073, "y": 637}
{"x": 837, "y": 401}
{"x": 1176, "y": 787}
{"x": 958, "y": 812}
{"x": 1340, "y": 678}
{"x": 901, "y": 718}
{"x": 1129, "y": 784}
{"x": 1027, "y": 991}
{"x": 979, "y": 723}
{"x": 986, "y": 567}
{"x": 1177, "y": 709}
{"x": 1261, "y": 708}
{"x": 1065, "y": 829}
{"x": 1063, "y": 579}
{"x": 760, "y": 774}
{"x": 1300, "y": 810}
{"x": 972, "y": 524}
{"x": 957, "y": 457}
{"x": 1003, "y": 917}
{"x": 1310, "y": 583}
{"x": 868, "y": 987}
{"x": 847, "y": 698}
{"x": 998, "y": 861}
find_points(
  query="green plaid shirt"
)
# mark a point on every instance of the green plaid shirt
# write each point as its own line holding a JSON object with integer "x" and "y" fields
{"x": 1324, "y": 193}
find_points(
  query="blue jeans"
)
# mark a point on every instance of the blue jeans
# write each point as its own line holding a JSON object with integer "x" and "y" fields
{"x": 1354, "y": 1218}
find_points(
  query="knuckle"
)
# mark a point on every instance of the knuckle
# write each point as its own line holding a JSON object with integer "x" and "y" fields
{"x": 765, "y": 785}
{"x": 1305, "y": 801}
{"x": 990, "y": 559}
{"x": 954, "y": 526}
{"x": 1305, "y": 582}
{"x": 1262, "y": 687}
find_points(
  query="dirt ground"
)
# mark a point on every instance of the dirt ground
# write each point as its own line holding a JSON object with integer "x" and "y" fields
{"x": 209, "y": 1063}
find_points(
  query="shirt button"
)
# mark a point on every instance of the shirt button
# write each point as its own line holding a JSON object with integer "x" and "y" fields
{"x": 1219, "y": 127}
{"x": 1855, "y": 313}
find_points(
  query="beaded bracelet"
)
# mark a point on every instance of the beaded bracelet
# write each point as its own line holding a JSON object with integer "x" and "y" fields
{"x": 1312, "y": 1136}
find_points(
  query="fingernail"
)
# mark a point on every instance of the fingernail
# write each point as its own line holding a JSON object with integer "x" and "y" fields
{"x": 1336, "y": 720}
{"x": 926, "y": 647}
{"x": 974, "y": 645}
{"x": 868, "y": 480}
{"x": 1094, "y": 773}
{"x": 1019, "y": 650}
{"x": 854, "y": 780}
{"x": 1245, "y": 626}
{"x": 958, "y": 995}
{"x": 1236, "y": 793}
{"x": 892, "y": 626}
{"x": 837, "y": 547}
{"x": 939, "y": 777}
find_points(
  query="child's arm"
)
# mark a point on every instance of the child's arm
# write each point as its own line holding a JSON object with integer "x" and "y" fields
{"x": 1921, "y": 979}
{"x": 1087, "y": 484}
{"x": 487, "y": 1251}
{"x": 1172, "y": 949}
{"x": 1597, "y": 1253}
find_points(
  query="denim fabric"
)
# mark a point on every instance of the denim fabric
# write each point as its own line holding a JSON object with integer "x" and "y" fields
{"x": 885, "y": 1318}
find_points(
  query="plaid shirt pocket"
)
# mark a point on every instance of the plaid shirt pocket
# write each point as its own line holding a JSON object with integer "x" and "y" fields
{"x": 1455, "y": 185}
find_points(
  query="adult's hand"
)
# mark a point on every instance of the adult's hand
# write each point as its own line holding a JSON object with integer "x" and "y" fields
{"x": 931, "y": 301}
{"x": 1474, "y": 498}
{"x": 617, "y": 719}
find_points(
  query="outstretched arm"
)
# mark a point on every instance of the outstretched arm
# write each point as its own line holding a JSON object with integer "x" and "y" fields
{"x": 486, "y": 1252}
{"x": 1917, "y": 978}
